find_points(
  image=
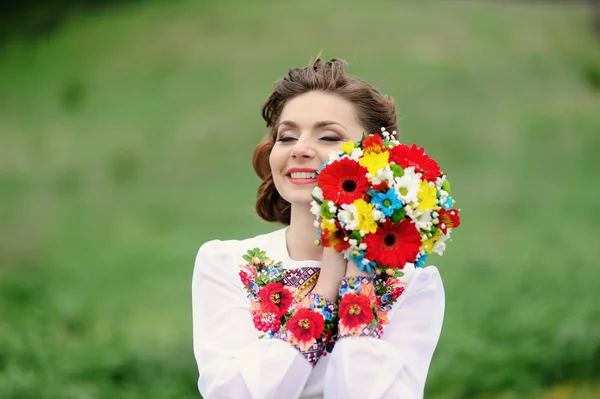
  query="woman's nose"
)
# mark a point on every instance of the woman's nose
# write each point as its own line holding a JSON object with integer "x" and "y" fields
{"x": 303, "y": 149}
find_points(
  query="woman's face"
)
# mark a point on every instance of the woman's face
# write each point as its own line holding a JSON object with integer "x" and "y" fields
{"x": 312, "y": 125}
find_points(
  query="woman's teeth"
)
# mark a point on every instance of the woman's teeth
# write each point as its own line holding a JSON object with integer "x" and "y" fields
{"x": 303, "y": 175}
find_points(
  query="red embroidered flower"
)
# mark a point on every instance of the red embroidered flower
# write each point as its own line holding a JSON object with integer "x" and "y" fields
{"x": 396, "y": 292}
{"x": 393, "y": 245}
{"x": 275, "y": 298}
{"x": 355, "y": 310}
{"x": 245, "y": 277}
{"x": 406, "y": 156}
{"x": 306, "y": 325}
{"x": 372, "y": 143}
{"x": 448, "y": 219}
{"x": 343, "y": 181}
{"x": 266, "y": 322}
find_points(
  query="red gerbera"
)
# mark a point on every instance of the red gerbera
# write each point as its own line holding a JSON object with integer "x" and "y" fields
{"x": 381, "y": 187}
{"x": 343, "y": 181}
{"x": 448, "y": 219}
{"x": 372, "y": 143}
{"x": 306, "y": 325}
{"x": 393, "y": 245}
{"x": 335, "y": 238}
{"x": 275, "y": 298}
{"x": 406, "y": 156}
{"x": 355, "y": 310}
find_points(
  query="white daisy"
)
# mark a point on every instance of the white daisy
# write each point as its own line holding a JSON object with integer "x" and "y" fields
{"x": 407, "y": 186}
{"x": 318, "y": 193}
{"x": 356, "y": 154}
{"x": 315, "y": 208}
{"x": 439, "y": 247}
{"x": 348, "y": 216}
{"x": 383, "y": 175}
{"x": 422, "y": 220}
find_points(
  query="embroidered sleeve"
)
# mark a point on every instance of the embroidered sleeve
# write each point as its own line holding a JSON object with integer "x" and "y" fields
{"x": 309, "y": 325}
{"x": 286, "y": 312}
{"x": 358, "y": 308}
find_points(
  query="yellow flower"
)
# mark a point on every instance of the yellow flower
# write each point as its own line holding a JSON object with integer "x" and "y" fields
{"x": 347, "y": 147}
{"x": 366, "y": 221}
{"x": 374, "y": 161}
{"x": 326, "y": 224}
{"x": 428, "y": 244}
{"x": 427, "y": 197}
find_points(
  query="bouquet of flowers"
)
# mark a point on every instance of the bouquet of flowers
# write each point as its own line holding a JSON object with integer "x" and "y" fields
{"x": 383, "y": 204}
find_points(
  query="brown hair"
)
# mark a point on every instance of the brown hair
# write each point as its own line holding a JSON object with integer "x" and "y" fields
{"x": 374, "y": 112}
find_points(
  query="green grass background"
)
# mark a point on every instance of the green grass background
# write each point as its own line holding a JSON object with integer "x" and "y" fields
{"x": 126, "y": 139}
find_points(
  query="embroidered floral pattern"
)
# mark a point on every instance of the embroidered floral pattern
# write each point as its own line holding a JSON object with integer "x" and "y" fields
{"x": 389, "y": 284}
{"x": 365, "y": 302}
{"x": 282, "y": 307}
{"x": 275, "y": 298}
{"x": 358, "y": 314}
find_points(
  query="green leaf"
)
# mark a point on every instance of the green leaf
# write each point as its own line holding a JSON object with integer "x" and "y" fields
{"x": 318, "y": 201}
{"x": 398, "y": 273}
{"x": 397, "y": 170}
{"x": 262, "y": 279}
{"x": 325, "y": 210}
{"x": 356, "y": 235}
{"x": 398, "y": 215}
{"x": 434, "y": 230}
{"x": 446, "y": 186}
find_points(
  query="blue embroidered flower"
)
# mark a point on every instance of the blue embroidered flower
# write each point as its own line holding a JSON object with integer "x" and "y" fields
{"x": 254, "y": 287}
{"x": 385, "y": 298}
{"x": 387, "y": 202}
{"x": 327, "y": 313}
{"x": 273, "y": 272}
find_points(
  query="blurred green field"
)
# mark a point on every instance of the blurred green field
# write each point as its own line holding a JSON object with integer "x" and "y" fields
{"x": 126, "y": 139}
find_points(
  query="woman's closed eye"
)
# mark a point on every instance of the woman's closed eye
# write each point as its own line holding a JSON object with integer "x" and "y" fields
{"x": 284, "y": 139}
{"x": 333, "y": 139}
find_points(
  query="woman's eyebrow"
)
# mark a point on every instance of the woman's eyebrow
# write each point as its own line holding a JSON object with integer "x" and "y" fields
{"x": 318, "y": 124}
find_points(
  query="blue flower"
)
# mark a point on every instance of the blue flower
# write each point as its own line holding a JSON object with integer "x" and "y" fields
{"x": 448, "y": 203}
{"x": 254, "y": 287}
{"x": 385, "y": 298}
{"x": 387, "y": 202}
{"x": 421, "y": 260}
{"x": 322, "y": 167}
{"x": 273, "y": 273}
{"x": 369, "y": 267}
{"x": 327, "y": 313}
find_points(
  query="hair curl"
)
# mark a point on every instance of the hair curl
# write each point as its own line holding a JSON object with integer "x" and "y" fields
{"x": 375, "y": 111}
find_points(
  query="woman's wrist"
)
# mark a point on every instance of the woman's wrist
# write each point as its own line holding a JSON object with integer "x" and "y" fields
{"x": 353, "y": 270}
{"x": 333, "y": 269}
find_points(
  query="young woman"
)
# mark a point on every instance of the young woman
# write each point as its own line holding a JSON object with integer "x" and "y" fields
{"x": 276, "y": 316}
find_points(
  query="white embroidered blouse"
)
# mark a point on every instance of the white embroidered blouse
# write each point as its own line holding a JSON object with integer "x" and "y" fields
{"x": 259, "y": 333}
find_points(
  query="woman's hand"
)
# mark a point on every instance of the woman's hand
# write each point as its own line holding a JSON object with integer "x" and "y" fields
{"x": 333, "y": 269}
